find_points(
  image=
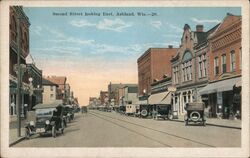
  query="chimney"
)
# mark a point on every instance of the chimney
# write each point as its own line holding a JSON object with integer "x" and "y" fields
{"x": 199, "y": 28}
{"x": 170, "y": 46}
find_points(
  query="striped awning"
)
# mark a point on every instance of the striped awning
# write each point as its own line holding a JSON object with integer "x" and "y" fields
{"x": 160, "y": 98}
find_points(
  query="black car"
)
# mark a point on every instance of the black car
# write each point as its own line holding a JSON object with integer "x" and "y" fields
{"x": 195, "y": 113}
{"x": 162, "y": 111}
{"x": 49, "y": 119}
{"x": 68, "y": 113}
{"x": 146, "y": 110}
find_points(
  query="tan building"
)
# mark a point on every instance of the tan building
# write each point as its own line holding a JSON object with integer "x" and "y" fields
{"x": 104, "y": 97}
{"x": 154, "y": 65}
{"x": 49, "y": 91}
{"x": 61, "y": 82}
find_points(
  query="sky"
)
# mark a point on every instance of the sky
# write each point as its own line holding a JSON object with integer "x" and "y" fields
{"x": 92, "y": 50}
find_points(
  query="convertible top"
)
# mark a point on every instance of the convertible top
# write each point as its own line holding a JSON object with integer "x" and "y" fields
{"x": 195, "y": 106}
{"x": 54, "y": 104}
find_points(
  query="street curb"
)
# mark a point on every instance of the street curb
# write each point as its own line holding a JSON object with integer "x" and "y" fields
{"x": 211, "y": 124}
{"x": 17, "y": 141}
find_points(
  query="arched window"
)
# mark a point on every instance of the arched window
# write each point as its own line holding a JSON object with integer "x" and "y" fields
{"x": 187, "y": 66}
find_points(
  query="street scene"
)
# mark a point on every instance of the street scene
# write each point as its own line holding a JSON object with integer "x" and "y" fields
{"x": 125, "y": 77}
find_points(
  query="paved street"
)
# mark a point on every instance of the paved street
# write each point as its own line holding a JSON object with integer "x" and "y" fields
{"x": 104, "y": 129}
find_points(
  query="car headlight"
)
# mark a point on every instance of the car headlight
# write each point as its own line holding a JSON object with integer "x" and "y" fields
{"x": 47, "y": 122}
{"x": 32, "y": 123}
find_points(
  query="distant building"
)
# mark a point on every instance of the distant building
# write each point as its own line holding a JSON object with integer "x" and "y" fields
{"x": 154, "y": 65}
{"x": 113, "y": 92}
{"x": 49, "y": 91}
{"x": 61, "y": 82}
{"x": 104, "y": 97}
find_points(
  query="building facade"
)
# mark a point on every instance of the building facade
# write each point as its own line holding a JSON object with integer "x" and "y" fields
{"x": 153, "y": 65}
{"x": 190, "y": 67}
{"x": 61, "y": 82}
{"x": 19, "y": 46}
{"x": 225, "y": 66}
{"x": 104, "y": 97}
{"x": 49, "y": 91}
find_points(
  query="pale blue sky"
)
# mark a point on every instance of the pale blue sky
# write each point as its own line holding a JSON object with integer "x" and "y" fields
{"x": 85, "y": 44}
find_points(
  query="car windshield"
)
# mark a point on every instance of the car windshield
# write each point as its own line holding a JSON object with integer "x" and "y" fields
{"x": 44, "y": 112}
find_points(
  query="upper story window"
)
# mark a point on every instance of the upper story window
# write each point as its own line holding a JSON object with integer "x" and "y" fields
{"x": 216, "y": 65}
{"x": 175, "y": 74}
{"x": 13, "y": 28}
{"x": 224, "y": 63}
{"x": 202, "y": 66}
{"x": 187, "y": 66}
{"x": 232, "y": 60}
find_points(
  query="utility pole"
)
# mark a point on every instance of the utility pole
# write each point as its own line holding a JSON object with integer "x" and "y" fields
{"x": 19, "y": 80}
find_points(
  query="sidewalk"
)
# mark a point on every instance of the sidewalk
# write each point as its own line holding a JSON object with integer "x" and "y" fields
{"x": 217, "y": 122}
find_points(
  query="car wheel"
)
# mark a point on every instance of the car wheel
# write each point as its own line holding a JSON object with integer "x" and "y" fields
{"x": 27, "y": 133}
{"x": 144, "y": 112}
{"x": 170, "y": 116}
{"x": 195, "y": 116}
{"x": 54, "y": 131}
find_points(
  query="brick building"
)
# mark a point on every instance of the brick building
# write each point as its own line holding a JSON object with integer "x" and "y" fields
{"x": 104, "y": 97}
{"x": 189, "y": 66}
{"x": 225, "y": 68}
{"x": 18, "y": 39}
{"x": 153, "y": 65}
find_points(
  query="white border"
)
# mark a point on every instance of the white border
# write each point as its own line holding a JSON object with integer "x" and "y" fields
{"x": 122, "y": 152}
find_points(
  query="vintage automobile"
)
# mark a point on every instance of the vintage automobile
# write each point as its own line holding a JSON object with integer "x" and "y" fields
{"x": 130, "y": 109}
{"x": 195, "y": 113}
{"x": 49, "y": 119}
{"x": 145, "y": 110}
{"x": 162, "y": 111}
{"x": 68, "y": 113}
{"x": 122, "y": 109}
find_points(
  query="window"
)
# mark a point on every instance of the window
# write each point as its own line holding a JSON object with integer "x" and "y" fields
{"x": 51, "y": 88}
{"x": 175, "y": 71}
{"x": 200, "y": 66}
{"x": 232, "y": 60}
{"x": 204, "y": 65}
{"x": 224, "y": 63}
{"x": 216, "y": 66}
{"x": 187, "y": 66}
{"x": 13, "y": 26}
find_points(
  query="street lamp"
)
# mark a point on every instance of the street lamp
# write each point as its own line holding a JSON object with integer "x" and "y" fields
{"x": 145, "y": 95}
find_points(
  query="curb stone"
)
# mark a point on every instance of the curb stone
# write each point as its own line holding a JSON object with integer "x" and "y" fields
{"x": 17, "y": 141}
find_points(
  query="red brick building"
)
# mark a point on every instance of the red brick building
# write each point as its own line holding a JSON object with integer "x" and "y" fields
{"x": 154, "y": 65}
{"x": 225, "y": 67}
{"x": 104, "y": 97}
{"x": 18, "y": 32}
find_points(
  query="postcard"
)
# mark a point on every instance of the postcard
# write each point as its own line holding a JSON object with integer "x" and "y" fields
{"x": 124, "y": 79}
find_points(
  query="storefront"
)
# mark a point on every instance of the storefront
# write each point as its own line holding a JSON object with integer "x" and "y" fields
{"x": 223, "y": 97}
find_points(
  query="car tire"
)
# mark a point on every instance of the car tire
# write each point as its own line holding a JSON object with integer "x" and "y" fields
{"x": 170, "y": 116}
{"x": 195, "y": 113}
{"x": 54, "y": 131}
{"x": 27, "y": 133}
{"x": 144, "y": 113}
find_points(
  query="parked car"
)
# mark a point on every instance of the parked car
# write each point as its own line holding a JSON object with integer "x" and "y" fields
{"x": 146, "y": 110}
{"x": 68, "y": 113}
{"x": 49, "y": 119}
{"x": 162, "y": 111}
{"x": 122, "y": 109}
{"x": 195, "y": 113}
{"x": 130, "y": 109}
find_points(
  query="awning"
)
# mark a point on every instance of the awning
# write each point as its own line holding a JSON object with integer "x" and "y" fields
{"x": 160, "y": 98}
{"x": 220, "y": 86}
